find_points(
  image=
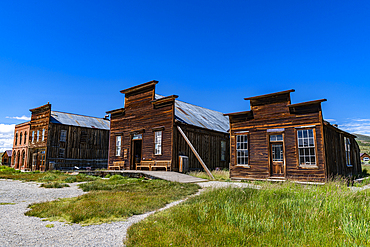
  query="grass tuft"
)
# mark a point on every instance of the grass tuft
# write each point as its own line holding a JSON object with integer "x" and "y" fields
{"x": 219, "y": 175}
{"x": 54, "y": 185}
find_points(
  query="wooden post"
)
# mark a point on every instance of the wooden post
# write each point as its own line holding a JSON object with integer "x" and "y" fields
{"x": 195, "y": 152}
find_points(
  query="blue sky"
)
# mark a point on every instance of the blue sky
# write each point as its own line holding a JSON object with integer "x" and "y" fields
{"x": 78, "y": 55}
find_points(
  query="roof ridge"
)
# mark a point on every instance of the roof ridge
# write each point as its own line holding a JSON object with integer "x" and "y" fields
{"x": 79, "y": 115}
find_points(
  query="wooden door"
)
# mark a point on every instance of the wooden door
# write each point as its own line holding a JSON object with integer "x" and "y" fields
{"x": 136, "y": 153}
{"x": 277, "y": 158}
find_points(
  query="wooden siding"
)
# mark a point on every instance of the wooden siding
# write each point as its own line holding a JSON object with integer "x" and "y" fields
{"x": 83, "y": 147}
{"x": 141, "y": 115}
{"x": 206, "y": 142}
{"x": 335, "y": 153}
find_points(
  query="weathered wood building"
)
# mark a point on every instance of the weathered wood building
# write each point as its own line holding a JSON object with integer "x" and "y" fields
{"x": 279, "y": 140}
{"x": 20, "y": 146}
{"x": 6, "y": 158}
{"x": 153, "y": 128}
{"x": 59, "y": 140}
{"x": 365, "y": 157}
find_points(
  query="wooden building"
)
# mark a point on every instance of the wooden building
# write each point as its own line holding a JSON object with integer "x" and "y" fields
{"x": 20, "y": 146}
{"x": 365, "y": 157}
{"x": 59, "y": 140}
{"x": 151, "y": 129}
{"x": 6, "y": 158}
{"x": 279, "y": 140}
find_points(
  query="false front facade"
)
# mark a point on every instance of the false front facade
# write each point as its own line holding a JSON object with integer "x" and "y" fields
{"x": 279, "y": 140}
{"x": 153, "y": 129}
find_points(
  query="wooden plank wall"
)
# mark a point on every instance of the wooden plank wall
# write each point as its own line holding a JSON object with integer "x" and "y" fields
{"x": 84, "y": 147}
{"x": 140, "y": 115}
{"x": 206, "y": 142}
{"x": 336, "y": 156}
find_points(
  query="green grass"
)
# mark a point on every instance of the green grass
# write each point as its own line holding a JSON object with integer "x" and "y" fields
{"x": 49, "y": 225}
{"x": 54, "y": 185}
{"x": 6, "y": 203}
{"x": 49, "y": 176}
{"x": 285, "y": 214}
{"x": 113, "y": 200}
{"x": 221, "y": 175}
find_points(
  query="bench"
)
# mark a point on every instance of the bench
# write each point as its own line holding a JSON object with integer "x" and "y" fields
{"x": 146, "y": 164}
{"x": 163, "y": 164}
{"x": 117, "y": 165}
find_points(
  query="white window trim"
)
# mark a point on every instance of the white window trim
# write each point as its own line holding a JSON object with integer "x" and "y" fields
{"x": 347, "y": 150}
{"x": 247, "y": 151}
{"x": 305, "y": 165}
{"x": 63, "y": 136}
{"x": 118, "y": 145}
{"x": 158, "y": 142}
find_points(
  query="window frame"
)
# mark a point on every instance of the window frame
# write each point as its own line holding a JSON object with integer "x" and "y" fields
{"x": 20, "y": 138}
{"x": 310, "y": 166}
{"x": 236, "y": 150}
{"x": 38, "y": 136}
{"x": 158, "y": 140}
{"x": 16, "y": 139}
{"x": 33, "y": 136}
{"x": 63, "y": 138}
{"x": 25, "y": 137}
{"x": 43, "y": 135}
{"x": 347, "y": 151}
{"x": 118, "y": 147}
{"x": 223, "y": 151}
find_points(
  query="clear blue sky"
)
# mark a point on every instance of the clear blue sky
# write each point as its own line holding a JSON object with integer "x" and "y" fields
{"x": 78, "y": 55}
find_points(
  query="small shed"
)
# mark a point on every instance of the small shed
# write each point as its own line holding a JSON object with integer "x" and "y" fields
{"x": 365, "y": 157}
{"x": 6, "y": 158}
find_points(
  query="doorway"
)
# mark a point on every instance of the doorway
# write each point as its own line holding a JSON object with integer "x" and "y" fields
{"x": 136, "y": 154}
{"x": 277, "y": 161}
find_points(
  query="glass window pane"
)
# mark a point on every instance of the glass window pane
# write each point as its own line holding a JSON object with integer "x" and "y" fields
{"x": 279, "y": 137}
{"x": 304, "y": 133}
{"x": 310, "y": 132}
{"x": 299, "y": 133}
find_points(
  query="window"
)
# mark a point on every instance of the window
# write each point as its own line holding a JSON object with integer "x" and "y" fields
{"x": 242, "y": 149}
{"x": 16, "y": 139}
{"x": 366, "y": 159}
{"x": 277, "y": 152}
{"x": 223, "y": 150}
{"x": 25, "y": 137}
{"x": 20, "y": 138}
{"x": 61, "y": 152}
{"x": 274, "y": 138}
{"x": 33, "y": 136}
{"x": 118, "y": 145}
{"x": 306, "y": 147}
{"x": 43, "y": 135}
{"x": 158, "y": 143}
{"x": 38, "y": 136}
{"x": 63, "y": 135}
{"x": 347, "y": 147}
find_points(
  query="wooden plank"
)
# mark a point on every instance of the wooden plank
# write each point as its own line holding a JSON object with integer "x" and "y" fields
{"x": 195, "y": 152}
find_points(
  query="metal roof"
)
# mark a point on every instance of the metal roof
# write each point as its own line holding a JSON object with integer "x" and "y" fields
{"x": 78, "y": 120}
{"x": 9, "y": 152}
{"x": 199, "y": 116}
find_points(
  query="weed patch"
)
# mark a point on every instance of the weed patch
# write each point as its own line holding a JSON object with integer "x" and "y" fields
{"x": 219, "y": 175}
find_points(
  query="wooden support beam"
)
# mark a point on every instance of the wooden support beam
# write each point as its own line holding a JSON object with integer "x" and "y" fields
{"x": 195, "y": 152}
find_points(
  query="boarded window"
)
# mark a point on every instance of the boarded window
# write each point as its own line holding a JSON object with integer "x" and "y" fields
{"x": 158, "y": 143}
{"x": 242, "y": 149}
{"x": 61, "y": 152}
{"x": 20, "y": 138}
{"x": 306, "y": 147}
{"x": 223, "y": 150}
{"x": 347, "y": 147}
{"x": 83, "y": 136}
{"x": 118, "y": 145}
{"x": 63, "y": 136}
{"x": 43, "y": 135}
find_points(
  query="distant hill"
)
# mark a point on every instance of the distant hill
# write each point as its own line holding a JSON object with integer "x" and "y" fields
{"x": 363, "y": 142}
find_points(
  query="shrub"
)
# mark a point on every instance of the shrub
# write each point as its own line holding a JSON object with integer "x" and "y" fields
{"x": 54, "y": 185}
{"x": 70, "y": 179}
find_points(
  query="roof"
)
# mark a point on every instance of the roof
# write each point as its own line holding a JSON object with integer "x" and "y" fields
{"x": 9, "y": 152}
{"x": 269, "y": 95}
{"x": 199, "y": 116}
{"x": 78, "y": 120}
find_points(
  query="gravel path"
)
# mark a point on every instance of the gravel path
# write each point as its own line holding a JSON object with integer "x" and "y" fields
{"x": 16, "y": 229}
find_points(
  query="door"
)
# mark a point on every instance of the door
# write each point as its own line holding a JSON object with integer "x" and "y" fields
{"x": 136, "y": 153}
{"x": 277, "y": 155}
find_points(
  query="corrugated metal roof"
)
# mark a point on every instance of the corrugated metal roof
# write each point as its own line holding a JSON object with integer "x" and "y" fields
{"x": 78, "y": 120}
{"x": 199, "y": 116}
{"x": 9, "y": 152}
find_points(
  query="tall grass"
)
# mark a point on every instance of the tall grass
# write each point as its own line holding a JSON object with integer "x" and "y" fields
{"x": 285, "y": 214}
{"x": 112, "y": 200}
